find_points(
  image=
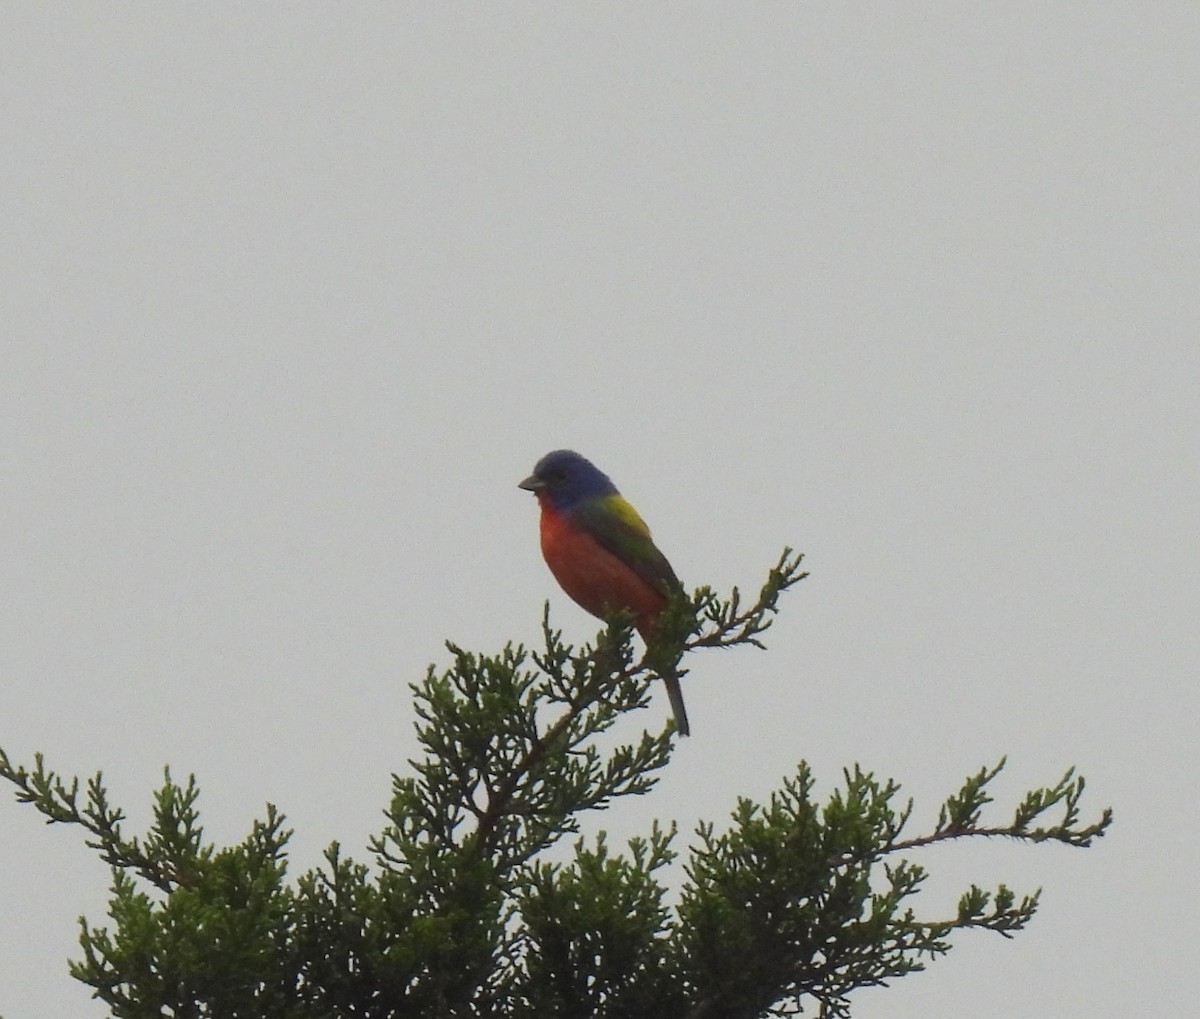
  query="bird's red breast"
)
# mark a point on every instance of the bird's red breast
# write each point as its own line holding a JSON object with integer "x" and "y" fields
{"x": 593, "y": 576}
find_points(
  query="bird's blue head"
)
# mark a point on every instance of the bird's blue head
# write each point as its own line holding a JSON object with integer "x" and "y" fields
{"x": 566, "y": 478}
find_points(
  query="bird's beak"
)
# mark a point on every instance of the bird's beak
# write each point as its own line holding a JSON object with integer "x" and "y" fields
{"x": 532, "y": 483}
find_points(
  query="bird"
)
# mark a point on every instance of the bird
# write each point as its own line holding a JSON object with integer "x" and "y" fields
{"x": 600, "y": 550}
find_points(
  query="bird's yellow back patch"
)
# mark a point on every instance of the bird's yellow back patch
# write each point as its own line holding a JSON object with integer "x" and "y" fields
{"x": 623, "y": 509}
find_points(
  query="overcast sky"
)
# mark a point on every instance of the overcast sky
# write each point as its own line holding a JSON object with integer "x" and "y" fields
{"x": 293, "y": 296}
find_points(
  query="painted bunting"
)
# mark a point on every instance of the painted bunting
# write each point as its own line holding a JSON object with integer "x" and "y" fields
{"x": 600, "y": 550}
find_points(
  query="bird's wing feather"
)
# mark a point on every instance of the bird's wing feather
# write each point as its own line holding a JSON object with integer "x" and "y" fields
{"x": 616, "y": 525}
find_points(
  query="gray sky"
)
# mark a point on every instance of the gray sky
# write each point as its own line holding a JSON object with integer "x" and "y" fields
{"x": 294, "y": 295}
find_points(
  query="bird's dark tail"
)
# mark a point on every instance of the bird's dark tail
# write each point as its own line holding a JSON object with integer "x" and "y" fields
{"x": 675, "y": 693}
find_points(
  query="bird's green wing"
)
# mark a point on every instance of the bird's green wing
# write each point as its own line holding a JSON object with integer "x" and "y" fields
{"x": 616, "y": 526}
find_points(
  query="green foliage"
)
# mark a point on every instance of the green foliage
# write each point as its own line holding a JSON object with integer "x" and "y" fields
{"x": 795, "y": 903}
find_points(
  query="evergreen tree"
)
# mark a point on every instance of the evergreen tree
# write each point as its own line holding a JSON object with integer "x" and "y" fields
{"x": 791, "y": 906}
